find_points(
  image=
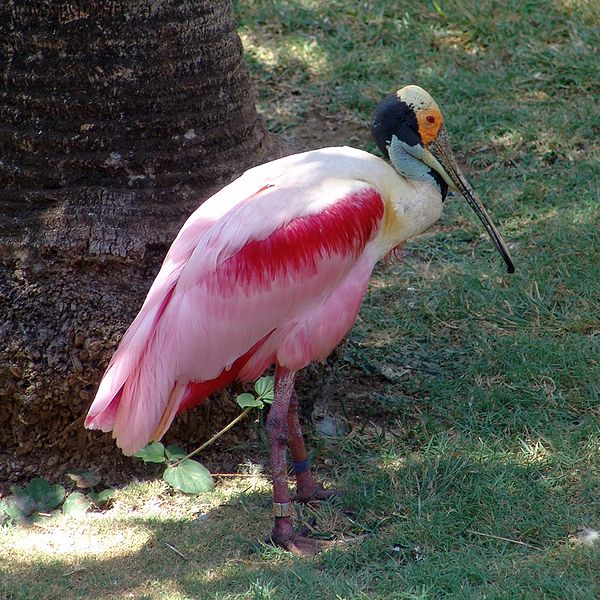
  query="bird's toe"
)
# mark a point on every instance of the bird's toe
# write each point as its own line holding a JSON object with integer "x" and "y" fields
{"x": 298, "y": 542}
{"x": 301, "y": 545}
{"x": 309, "y": 547}
{"x": 317, "y": 494}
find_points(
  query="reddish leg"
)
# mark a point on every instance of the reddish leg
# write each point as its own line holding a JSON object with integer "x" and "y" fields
{"x": 277, "y": 427}
{"x": 278, "y": 435}
{"x": 306, "y": 487}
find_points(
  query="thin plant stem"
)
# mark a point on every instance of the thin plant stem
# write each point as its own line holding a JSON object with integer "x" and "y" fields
{"x": 504, "y": 539}
{"x": 216, "y": 436}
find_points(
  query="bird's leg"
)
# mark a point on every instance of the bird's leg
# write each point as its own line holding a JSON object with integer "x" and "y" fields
{"x": 278, "y": 436}
{"x": 277, "y": 428}
{"x": 306, "y": 487}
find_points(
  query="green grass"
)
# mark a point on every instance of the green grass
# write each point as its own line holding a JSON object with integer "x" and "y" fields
{"x": 473, "y": 396}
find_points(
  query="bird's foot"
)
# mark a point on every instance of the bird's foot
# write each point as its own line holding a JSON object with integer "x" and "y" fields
{"x": 297, "y": 542}
{"x": 316, "y": 493}
{"x": 301, "y": 545}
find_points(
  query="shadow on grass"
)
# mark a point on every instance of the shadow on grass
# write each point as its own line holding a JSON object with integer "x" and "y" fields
{"x": 432, "y": 521}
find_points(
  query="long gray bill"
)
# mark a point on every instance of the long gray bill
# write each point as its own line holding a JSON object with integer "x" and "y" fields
{"x": 440, "y": 148}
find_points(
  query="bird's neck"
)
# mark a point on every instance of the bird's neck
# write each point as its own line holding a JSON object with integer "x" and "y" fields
{"x": 405, "y": 160}
{"x": 410, "y": 208}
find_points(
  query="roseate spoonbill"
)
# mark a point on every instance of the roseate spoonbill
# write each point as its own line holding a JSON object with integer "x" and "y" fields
{"x": 272, "y": 270}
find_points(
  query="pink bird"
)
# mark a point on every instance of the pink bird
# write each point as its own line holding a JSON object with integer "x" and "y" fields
{"x": 272, "y": 270}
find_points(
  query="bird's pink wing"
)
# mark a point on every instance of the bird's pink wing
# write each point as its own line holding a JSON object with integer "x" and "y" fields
{"x": 260, "y": 282}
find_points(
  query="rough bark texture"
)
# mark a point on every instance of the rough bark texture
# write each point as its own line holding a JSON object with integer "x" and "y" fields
{"x": 117, "y": 117}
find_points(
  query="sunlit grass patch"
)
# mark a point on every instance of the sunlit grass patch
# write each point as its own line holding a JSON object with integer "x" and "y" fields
{"x": 148, "y": 540}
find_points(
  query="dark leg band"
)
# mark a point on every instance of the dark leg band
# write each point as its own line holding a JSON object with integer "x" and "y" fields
{"x": 301, "y": 467}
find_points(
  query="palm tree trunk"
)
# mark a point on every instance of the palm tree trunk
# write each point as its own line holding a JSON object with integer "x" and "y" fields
{"x": 117, "y": 117}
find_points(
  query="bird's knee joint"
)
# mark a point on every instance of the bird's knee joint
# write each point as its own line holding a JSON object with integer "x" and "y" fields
{"x": 277, "y": 429}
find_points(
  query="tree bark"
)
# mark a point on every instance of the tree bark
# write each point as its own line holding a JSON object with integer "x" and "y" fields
{"x": 117, "y": 117}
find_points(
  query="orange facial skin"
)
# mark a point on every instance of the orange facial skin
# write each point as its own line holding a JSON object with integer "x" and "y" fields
{"x": 430, "y": 120}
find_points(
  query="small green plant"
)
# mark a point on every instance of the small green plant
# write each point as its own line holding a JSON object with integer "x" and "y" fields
{"x": 39, "y": 498}
{"x": 265, "y": 392}
{"x": 181, "y": 473}
{"x": 188, "y": 475}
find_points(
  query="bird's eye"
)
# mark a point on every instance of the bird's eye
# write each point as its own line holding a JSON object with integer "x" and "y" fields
{"x": 430, "y": 119}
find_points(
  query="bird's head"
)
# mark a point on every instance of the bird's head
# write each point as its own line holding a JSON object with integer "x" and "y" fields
{"x": 409, "y": 129}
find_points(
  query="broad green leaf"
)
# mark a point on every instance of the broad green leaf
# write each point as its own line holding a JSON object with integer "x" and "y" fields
{"x": 265, "y": 388}
{"x": 10, "y": 511}
{"x": 84, "y": 478}
{"x": 105, "y": 495}
{"x": 189, "y": 476}
{"x": 246, "y": 400}
{"x": 100, "y": 499}
{"x": 152, "y": 453}
{"x": 76, "y": 504}
{"x": 175, "y": 452}
{"x": 21, "y": 503}
{"x": 45, "y": 496}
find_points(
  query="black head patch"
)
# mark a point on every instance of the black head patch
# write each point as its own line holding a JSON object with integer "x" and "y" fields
{"x": 394, "y": 117}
